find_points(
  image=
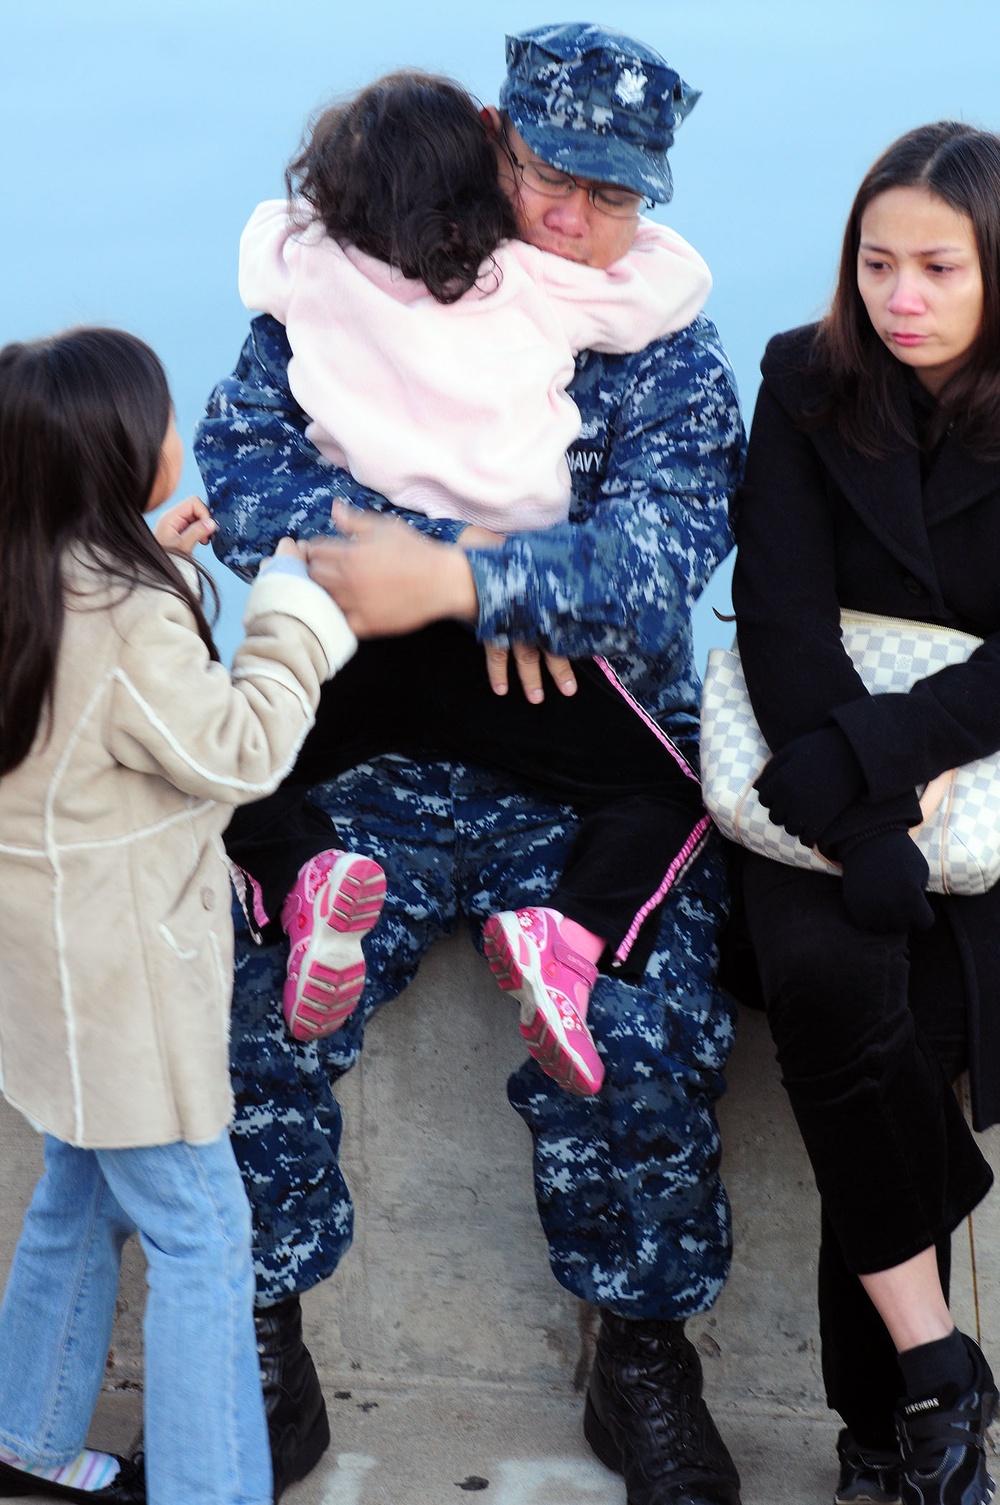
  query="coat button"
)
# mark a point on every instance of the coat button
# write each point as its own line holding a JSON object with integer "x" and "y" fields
{"x": 912, "y": 584}
{"x": 207, "y": 897}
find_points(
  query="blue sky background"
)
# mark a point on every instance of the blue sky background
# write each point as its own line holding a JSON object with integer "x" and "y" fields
{"x": 139, "y": 134}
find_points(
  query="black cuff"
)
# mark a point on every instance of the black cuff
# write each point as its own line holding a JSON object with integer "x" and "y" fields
{"x": 867, "y": 818}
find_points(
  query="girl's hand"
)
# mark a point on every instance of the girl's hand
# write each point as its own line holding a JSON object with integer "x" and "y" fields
{"x": 185, "y": 525}
{"x": 291, "y": 546}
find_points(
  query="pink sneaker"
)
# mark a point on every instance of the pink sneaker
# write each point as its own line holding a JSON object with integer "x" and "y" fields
{"x": 529, "y": 958}
{"x": 335, "y": 902}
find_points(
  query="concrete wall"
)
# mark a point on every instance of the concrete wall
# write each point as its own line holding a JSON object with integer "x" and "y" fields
{"x": 446, "y": 1295}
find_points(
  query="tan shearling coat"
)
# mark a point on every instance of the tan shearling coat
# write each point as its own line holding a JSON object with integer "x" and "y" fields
{"x": 115, "y": 930}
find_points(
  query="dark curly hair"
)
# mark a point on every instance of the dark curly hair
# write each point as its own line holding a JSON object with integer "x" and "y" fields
{"x": 405, "y": 171}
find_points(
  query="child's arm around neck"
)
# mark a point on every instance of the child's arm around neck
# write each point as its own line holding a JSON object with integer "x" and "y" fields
{"x": 656, "y": 288}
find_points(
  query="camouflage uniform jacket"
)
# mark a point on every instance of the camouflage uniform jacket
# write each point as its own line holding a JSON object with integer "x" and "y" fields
{"x": 659, "y": 454}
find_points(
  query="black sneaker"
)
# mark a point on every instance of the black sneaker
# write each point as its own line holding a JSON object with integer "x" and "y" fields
{"x": 944, "y": 1442}
{"x": 868, "y": 1476}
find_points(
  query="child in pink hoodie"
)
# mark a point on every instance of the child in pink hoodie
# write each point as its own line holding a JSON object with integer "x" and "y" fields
{"x": 432, "y": 351}
{"x": 456, "y": 409}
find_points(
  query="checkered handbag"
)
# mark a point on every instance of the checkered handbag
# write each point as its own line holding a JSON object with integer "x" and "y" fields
{"x": 960, "y": 833}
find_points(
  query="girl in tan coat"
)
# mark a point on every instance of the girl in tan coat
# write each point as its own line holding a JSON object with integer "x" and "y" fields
{"x": 124, "y": 745}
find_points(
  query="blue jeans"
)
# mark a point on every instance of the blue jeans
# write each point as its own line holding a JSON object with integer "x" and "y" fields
{"x": 206, "y": 1433}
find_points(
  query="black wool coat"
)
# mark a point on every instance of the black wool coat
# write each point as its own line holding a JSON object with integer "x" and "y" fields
{"x": 820, "y": 527}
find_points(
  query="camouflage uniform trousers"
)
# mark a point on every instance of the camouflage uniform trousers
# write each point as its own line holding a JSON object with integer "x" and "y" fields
{"x": 627, "y": 1183}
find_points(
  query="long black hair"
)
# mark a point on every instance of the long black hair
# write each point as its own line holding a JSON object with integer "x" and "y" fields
{"x": 961, "y": 166}
{"x": 83, "y": 417}
{"x": 406, "y": 172}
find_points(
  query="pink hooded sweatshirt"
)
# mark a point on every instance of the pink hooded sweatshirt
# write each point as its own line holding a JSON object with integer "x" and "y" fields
{"x": 457, "y": 410}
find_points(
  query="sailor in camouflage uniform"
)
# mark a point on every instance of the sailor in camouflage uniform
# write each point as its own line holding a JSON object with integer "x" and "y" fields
{"x": 627, "y": 1182}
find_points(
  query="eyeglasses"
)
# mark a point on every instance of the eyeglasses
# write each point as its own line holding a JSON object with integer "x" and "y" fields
{"x": 619, "y": 203}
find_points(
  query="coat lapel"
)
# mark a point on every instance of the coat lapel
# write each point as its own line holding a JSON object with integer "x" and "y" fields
{"x": 886, "y": 495}
{"x": 958, "y": 480}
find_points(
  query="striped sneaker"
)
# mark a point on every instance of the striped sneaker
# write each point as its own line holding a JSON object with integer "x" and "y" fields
{"x": 336, "y": 900}
{"x": 943, "y": 1441}
{"x": 529, "y": 958}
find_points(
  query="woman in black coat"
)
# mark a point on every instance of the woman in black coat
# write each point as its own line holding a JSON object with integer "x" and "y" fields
{"x": 873, "y": 482}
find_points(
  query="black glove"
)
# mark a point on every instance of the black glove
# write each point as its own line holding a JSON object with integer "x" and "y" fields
{"x": 884, "y": 879}
{"x": 810, "y": 781}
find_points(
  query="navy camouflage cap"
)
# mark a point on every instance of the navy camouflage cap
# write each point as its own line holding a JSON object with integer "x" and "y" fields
{"x": 596, "y": 104}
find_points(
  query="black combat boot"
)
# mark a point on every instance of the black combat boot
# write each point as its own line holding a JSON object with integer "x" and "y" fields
{"x": 296, "y": 1412}
{"x": 646, "y": 1418}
